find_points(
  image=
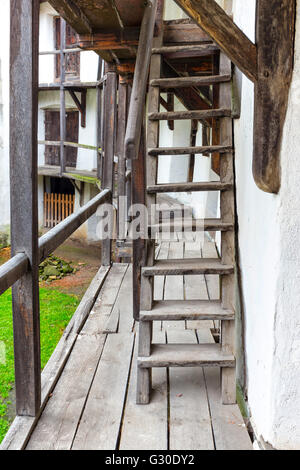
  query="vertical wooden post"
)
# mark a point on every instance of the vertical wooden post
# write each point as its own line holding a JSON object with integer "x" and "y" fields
{"x": 138, "y": 197}
{"x": 110, "y": 109}
{"x": 24, "y": 208}
{"x": 154, "y": 106}
{"x": 62, "y": 95}
{"x": 99, "y": 120}
{"x": 122, "y": 120}
{"x": 227, "y": 238}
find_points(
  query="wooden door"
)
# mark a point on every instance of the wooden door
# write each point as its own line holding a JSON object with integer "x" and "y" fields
{"x": 52, "y": 133}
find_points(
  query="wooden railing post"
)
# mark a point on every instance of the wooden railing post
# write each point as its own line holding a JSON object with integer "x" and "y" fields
{"x": 122, "y": 120}
{"x": 62, "y": 111}
{"x": 110, "y": 109}
{"x": 24, "y": 207}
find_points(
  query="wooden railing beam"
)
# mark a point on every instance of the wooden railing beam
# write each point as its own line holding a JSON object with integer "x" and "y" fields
{"x": 17, "y": 266}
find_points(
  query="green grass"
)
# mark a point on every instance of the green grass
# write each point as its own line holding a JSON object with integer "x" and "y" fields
{"x": 56, "y": 309}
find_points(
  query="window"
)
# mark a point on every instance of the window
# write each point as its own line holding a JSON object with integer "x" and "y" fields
{"x": 52, "y": 133}
{"x": 73, "y": 59}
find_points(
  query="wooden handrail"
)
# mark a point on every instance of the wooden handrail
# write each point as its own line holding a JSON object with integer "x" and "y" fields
{"x": 16, "y": 267}
{"x": 139, "y": 88}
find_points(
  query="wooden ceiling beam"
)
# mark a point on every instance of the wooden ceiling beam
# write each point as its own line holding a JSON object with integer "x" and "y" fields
{"x": 220, "y": 27}
{"x": 73, "y": 14}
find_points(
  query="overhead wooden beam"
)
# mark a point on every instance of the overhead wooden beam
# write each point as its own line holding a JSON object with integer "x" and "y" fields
{"x": 220, "y": 27}
{"x": 73, "y": 14}
{"x": 275, "y": 30}
{"x": 116, "y": 39}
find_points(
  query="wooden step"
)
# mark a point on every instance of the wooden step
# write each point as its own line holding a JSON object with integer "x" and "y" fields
{"x": 183, "y": 187}
{"x": 180, "y": 267}
{"x": 177, "y": 310}
{"x": 189, "y": 150}
{"x": 186, "y": 355}
{"x": 193, "y": 49}
{"x": 191, "y": 225}
{"x": 185, "y": 82}
{"x": 181, "y": 115}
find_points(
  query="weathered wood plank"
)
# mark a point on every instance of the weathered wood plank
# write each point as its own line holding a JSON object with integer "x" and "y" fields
{"x": 177, "y": 310}
{"x": 220, "y": 27}
{"x": 186, "y": 82}
{"x": 205, "y": 49}
{"x": 177, "y": 267}
{"x": 183, "y": 187}
{"x": 275, "y": 68}
{"x": 71, "y": 12}
{"x": 188, "y": 150}
{"x": 195, "y": 286}
{"x": 227, "y": 209}
{"x": 230, "y": 432}
{"x": 146, "y": 427}
{"x": 212, "y": 282}
{"x": 121, "y": 318}
{"x": 187, "y": 355}
{"x": 22, "y": 427}
{"x": 110, "y": 109}
{"x": 179, "y": 115}
{"x": 12, "y": 270}
{"x": 101, "y": 313}
{"x": 184, "y": 32}
{"x": 159, "y": 281}
{"x": 174, "y": 288}
{"x": 190, "y": 424}
{"x": 57, "y": 426}
{"x": 101, "y": 420}
{"x": 24, "y": 207}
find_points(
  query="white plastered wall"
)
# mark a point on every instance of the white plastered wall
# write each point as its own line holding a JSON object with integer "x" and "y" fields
{"x": 4, "y": 115}
{"x": 269, "y": 251}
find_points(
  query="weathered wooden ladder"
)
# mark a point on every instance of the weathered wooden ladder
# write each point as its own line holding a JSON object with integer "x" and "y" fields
{"x": 181, "y": 355}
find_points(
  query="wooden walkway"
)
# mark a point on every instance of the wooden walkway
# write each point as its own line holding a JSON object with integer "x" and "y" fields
{"x": 93, "y": 404}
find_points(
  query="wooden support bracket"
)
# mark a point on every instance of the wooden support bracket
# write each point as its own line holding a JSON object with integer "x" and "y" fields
{"x": 81, "y": 105}
{"x": 275, "y": 32}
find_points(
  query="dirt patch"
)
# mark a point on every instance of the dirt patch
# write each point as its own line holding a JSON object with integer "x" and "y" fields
{"x": 4, "y": 255}
{"x": 85, "y": 258}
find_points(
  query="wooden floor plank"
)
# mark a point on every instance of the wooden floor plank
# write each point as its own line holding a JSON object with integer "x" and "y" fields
{"x": 57, "y": 426}
{"x": 195, "y": 286}
{"x": 174, "y": 284}
{"x": 145, "y": 427}
{"x": 100, "y": 423}
{"x": 209, "y": 250}
{"x": 104, "y": 304}
{"x": 159, "y": 281}
{"x": 121, "y": 318}
{"x": 190, "y": 425}
{"x": 230, "y": 432}
{"x": 23, "y": 426}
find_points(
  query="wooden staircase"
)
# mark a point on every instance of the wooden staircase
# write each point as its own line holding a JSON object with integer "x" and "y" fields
{"x": 220, "y": 355}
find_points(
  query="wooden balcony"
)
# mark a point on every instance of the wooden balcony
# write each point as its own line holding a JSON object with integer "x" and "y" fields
{"x": 92, "y": 405}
